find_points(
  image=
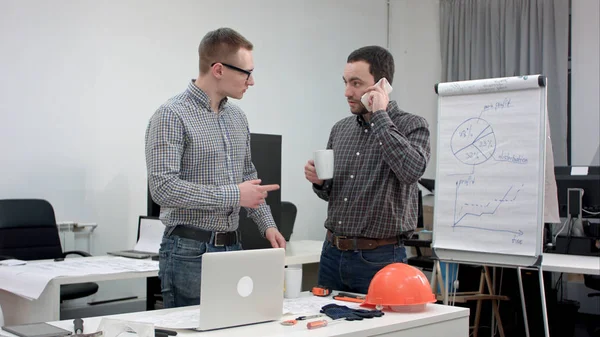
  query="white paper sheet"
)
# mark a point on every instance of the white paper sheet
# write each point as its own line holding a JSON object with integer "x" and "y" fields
{"x": 30, "y": 280}
{"x": 311, "y": 305}
{"x": 579, "y": 171}
{"x": 151, "y": 233}
{"x": 181, "y": 319}
{"x": 190, "y": 318}
{"x": 12, "y": 262}
{"x": 488, "y": 179}
{"x": 551, "y": 214}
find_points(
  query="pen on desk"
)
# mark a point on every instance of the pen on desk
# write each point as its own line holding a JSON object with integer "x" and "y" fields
{"x": 350, "y": 295}
{"x": 78, "y": 325}
{"x": 304, "y": 318}
{"x": 348, "y": 299}
{"x": 322, "y": 323}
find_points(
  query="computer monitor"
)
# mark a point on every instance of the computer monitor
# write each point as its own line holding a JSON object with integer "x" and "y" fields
{"x": 589, "y": 183}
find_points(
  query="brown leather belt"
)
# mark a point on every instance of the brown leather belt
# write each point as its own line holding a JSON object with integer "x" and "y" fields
{"x": 358, "y": 243}
{"x": 221, "y": 238}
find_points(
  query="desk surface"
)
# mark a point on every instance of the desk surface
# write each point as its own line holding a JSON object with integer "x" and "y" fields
{"x": 297, "y": 252}
{"x": 436, "y": 320}
{"x": 303, "y": 251}
{"x": 46, "y": 307}
{"x": 573, "y": 264}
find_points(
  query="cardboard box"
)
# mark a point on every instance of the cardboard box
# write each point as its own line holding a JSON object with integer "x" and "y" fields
{"x": 428, "y": 225}
{"x": 428, "y": 217}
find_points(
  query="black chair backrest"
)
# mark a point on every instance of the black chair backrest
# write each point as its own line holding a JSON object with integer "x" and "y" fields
{"x": 288, "y": 217}
{"x": 420, "y": 210}
{"x": 251, "y": 238}
{"x": 592, "y": 282}
{"x": 28, "y": 230}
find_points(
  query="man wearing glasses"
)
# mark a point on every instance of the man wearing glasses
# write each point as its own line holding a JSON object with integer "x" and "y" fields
{"x": 200, "y": 170}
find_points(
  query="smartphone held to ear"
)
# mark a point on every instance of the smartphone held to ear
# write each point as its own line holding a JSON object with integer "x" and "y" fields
{"x": 382, "y": 82}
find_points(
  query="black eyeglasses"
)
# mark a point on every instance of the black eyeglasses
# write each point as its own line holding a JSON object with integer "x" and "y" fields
{"x": 247, "y": 72}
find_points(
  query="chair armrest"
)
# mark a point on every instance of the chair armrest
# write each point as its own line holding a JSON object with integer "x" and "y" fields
{"x": 77, "y": 252}
{"x": 417, "y": 243}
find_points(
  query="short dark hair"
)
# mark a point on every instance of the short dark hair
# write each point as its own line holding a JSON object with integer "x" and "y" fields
{"x": 219, "y": 45}
{"x": 380, "y": 60}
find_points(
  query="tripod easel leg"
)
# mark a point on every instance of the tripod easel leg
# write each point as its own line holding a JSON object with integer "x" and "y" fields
{"x": 440, "y": 281}
{"x": 433, "y": 278}
{"x": 544, "y": 309}
{"x": 525, "y": 321}
{"x": 494, "y": 302}
{"x": 447, "y": 286}
{"x": 479, "y": 303}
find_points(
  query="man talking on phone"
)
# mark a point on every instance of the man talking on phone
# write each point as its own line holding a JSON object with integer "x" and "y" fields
{"x": 379, "y": 155}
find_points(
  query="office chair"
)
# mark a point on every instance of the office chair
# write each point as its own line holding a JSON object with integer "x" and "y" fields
{"x": 28, "y": 231}
{"x": 288, "y": 218}
{"x": 424, "y": 262}
{"x": 593, "y": 282}
{"x": 251, "y": 238}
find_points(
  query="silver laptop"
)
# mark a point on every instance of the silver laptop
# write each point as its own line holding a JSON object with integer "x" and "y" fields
{"x": 241, "y": 287}
{"x": 150, "y": 233}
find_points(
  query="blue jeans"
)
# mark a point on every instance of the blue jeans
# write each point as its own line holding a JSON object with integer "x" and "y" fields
{"x": 352, "y": 271}
{"x": 180, "y": 269}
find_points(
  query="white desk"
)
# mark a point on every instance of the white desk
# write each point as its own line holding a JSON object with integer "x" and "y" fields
{"x": 436, "y": 321}
{"x": 573, "y": 264}
{"x": 18, "y": 310}
{"x": 303, "y": 252}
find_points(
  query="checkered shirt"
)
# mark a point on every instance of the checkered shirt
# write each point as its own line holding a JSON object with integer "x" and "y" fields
{"x": 196, "y": 158}
{"x": 373, "y": 192}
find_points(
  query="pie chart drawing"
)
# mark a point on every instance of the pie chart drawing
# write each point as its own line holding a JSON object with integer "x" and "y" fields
{"x": 473, "y": 142}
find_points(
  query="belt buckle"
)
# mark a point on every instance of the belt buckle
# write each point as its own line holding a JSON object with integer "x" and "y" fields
{"x": 216, "y": 243}
{"x": 337, "y": 240}
{"x": 224, "y": 235}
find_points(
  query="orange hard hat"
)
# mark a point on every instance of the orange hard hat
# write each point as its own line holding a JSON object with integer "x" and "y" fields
{"x": 399, "y": 287}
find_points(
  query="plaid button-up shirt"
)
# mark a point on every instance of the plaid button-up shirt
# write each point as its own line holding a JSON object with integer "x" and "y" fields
{"x": 373, "y": 192}
{"x": 196, "y": 158}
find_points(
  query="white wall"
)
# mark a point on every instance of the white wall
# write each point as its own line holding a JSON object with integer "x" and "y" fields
{"x": 585, "y": 82}
{"x": 415, "y": 44}
{"x": 80, "y": 79}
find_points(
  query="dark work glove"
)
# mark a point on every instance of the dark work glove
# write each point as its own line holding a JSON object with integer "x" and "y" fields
{"x": 335, "y": 311}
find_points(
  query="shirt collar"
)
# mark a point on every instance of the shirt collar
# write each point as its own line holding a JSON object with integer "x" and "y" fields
{"x": 201, "y": 97}
{"x": 392, "y": 108}
{"x": 360, "y": 120}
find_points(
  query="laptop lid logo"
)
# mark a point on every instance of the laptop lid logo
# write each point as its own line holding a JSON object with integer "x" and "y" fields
{"x": 245, "y": 286}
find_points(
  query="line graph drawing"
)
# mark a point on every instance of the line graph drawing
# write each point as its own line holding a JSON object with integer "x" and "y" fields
{"x": 474, "y": 143}
{"x": 478, "y": 210}
{"x": 491, "y": 188}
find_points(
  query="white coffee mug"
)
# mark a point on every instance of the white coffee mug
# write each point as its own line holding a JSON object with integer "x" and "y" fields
{"x": 324, "y": 164}
{"x": 293, "y": 281}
